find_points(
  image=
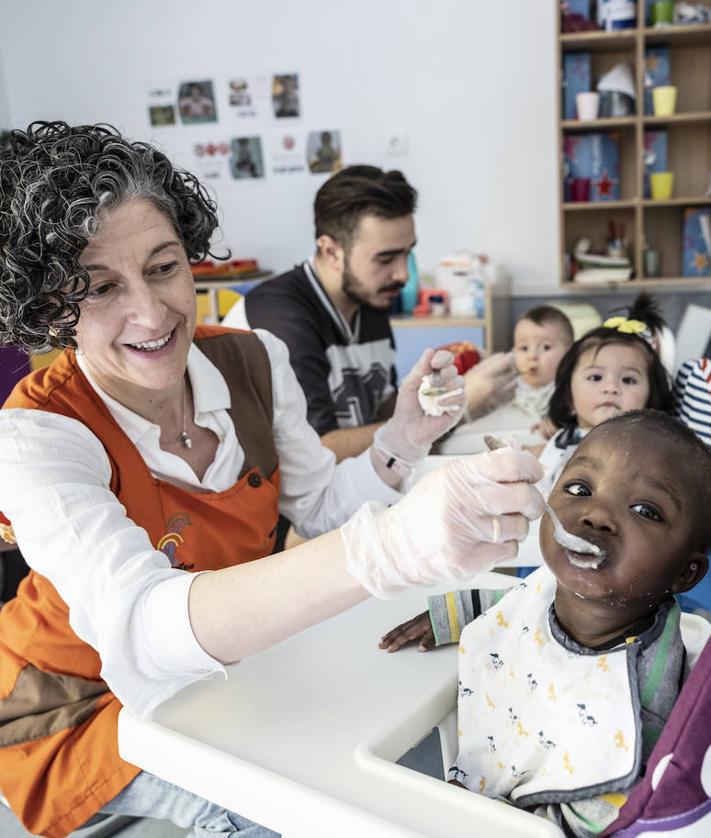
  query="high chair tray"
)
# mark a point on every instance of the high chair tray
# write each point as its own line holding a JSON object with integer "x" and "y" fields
{"x": 301, "y": 737}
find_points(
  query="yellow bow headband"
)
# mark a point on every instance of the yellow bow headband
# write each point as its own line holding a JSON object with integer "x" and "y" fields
{"x": 628, "y": 327}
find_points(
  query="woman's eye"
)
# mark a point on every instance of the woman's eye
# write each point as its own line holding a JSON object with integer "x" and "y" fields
{"x": 97, "y": 291}
{"x": 645, "y": 510}
{"x": 577, "y": 489}
{"x": 164, "y": 269}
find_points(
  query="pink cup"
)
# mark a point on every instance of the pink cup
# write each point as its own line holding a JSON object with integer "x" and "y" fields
{"x": 580, "y": 189}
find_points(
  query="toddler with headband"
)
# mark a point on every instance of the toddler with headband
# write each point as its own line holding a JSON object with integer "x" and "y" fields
{"x": 610, "y": 370}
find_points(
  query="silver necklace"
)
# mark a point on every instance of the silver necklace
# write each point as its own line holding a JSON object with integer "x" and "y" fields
{"x": 184, "y": 436}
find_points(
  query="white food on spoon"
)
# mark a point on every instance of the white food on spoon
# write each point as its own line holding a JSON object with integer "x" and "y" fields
{"x": 430, "y": 396}
{"x": 576, "y": 548}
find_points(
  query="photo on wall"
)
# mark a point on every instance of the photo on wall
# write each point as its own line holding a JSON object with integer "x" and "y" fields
{"x": 247, "y": 161}
{"x": 159, "y": 115}
{"x": 196, "y": 102}
{"x": 285, "y": 96}
{"x": 323, "y": 151}
{"x": 161, "y": 104}
{"x": 286, "y": 153}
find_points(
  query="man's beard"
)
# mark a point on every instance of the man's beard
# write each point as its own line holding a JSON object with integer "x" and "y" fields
{"x": 353, "y": 289}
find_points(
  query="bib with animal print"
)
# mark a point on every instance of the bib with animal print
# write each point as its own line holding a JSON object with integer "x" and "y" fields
{"x": 539, "y": 722}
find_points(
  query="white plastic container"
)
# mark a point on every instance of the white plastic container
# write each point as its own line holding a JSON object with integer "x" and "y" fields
{"x": 462, "y": 275}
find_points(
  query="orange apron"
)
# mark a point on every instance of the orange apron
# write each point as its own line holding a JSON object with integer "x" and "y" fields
{"x": 59, "y": 760}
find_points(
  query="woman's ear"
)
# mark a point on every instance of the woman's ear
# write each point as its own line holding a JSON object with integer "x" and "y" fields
{"x": 692, "y": 573}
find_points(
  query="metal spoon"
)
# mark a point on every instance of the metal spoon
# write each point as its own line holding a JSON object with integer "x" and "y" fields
{"x": 566, "y": 539}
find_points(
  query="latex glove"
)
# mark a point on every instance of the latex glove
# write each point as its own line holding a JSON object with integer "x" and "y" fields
{"x": 492, "y": 382}
{"x": 408, "y": 435}
{"x": 456, "y": 522}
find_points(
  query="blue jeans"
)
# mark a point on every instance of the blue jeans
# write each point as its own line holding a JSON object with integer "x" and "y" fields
{"x": 150, "y": 797}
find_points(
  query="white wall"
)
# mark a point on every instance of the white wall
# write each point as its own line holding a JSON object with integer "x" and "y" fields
{"x": 471, "y": 83}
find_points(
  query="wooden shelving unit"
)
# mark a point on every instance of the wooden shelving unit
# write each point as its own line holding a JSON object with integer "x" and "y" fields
{"x": 657, "y": 224}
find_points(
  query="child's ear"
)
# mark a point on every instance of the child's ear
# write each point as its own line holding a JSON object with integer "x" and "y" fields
{"x": 692, "y": 573}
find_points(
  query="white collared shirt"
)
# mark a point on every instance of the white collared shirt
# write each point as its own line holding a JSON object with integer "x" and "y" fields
{"x": 124, "y": 598}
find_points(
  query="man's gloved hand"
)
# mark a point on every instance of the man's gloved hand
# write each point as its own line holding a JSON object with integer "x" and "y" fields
{"x": 408, "y": 435}
{"x": 492, "y": 382}
{"x": 456, "y": 522}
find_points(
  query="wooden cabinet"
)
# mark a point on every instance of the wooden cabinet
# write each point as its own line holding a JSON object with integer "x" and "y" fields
{"x": 648, "y": 223}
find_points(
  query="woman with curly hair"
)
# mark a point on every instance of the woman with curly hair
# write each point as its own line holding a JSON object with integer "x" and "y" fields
{"x": 142, "y": 474}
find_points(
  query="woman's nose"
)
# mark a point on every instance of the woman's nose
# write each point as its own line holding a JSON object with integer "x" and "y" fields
{"x": 144, "y": 305}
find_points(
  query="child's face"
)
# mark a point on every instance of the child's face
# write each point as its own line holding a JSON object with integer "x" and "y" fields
{"x": 626, "y": 492}
{"x": 609, "y": 380}
{"x": 538, "y": 350}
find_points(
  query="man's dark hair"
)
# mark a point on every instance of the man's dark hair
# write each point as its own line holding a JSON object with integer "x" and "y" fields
{"x": 693, "y": 452}
{"x": 540, "y": 315}
{"x": 357, "y": 191}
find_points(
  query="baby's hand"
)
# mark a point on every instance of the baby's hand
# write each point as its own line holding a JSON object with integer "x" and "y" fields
{"x": 545, "y": 428}
{"x": 417, "y": 629}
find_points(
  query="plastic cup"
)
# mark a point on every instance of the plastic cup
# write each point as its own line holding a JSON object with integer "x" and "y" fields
{"x": 664, "y": 100}
{"x": 651, "y": 263}
{"x": 588, "y": 105}
{"x": 663, "y": 11}
{"x": 580, "y": 189}
{"x": 661, "y": 185}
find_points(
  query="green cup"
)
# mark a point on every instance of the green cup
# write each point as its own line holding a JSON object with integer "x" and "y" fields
{"x": 663, "y": 11}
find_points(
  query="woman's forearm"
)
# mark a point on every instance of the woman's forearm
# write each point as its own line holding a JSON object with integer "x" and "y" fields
{"x": 243, "y": 609}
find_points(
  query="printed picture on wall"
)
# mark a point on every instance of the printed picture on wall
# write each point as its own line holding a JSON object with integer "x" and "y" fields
{"x": 323, "y": 151}
{"x": 196, "y": 102}
{"x": 211, "y": 159}
{"x": 240, "y": 96}
{"x": 285, "y": 96}
{"x": 159, "y": 115}
{"x": 286, "y": 153}
{"x": 247, "y": 160}
{"x": 161, "y": 103}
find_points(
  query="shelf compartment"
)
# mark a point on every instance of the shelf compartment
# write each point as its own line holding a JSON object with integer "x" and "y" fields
{"x": 691, "y": 74}
{"x": 692, "y": 35}
{"x": 689, "y": 150}
{"x": 598, "y": 40}
{"x": 595, "y": 226}
{"x": 663, "y": 231}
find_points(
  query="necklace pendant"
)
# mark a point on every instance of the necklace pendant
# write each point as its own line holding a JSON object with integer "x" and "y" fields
{"x": 185, "y": 439}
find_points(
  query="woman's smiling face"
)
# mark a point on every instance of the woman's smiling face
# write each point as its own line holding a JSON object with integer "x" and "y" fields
{"x": 136, "y": 325}
{"x": 625, "y": 491}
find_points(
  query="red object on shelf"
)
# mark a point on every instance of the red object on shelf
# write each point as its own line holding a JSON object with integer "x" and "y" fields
{"x": 235, "y": 266}
{"x": 466, "y": 355}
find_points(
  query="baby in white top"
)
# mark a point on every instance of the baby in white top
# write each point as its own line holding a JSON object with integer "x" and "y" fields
{"x": 541, "y": 337}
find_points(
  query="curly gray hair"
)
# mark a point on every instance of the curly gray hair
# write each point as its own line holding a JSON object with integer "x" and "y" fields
{"x": 55, "y": 181}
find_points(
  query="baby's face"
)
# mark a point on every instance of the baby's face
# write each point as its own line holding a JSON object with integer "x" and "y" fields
{"x": 538, "y": 350}
{"x": 609, "y": 380}
{"x": 624, "y": 490}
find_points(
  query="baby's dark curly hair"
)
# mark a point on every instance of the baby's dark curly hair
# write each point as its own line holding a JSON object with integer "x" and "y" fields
{"x": 56, "y": 180}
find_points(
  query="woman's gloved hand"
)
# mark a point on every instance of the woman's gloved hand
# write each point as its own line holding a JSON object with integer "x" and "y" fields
{"x": 408, "y": 435}
{"x": 456, "y": 522}
{"x": 492, "y": 382}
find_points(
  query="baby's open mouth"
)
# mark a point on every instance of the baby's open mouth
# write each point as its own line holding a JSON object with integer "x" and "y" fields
{"x": 586, "y": 561}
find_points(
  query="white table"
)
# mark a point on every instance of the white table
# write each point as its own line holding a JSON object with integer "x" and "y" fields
{"x": 303, "y": 736}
